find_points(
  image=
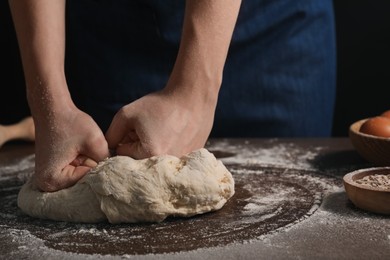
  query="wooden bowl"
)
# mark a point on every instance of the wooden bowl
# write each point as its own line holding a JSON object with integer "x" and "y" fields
{"x": 365, "y": 196}
{"x": 374, "y": 149}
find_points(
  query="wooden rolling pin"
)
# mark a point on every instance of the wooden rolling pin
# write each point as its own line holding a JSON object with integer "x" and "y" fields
{"x": 23, "y": 130}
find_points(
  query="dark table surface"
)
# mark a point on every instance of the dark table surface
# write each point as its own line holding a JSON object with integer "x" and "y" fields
{"x": 290, "y": 203}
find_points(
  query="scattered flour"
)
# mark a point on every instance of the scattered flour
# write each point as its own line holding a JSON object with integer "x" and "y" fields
{"x": 258, "y": 210}
{"x": 22, "y": 169}
{"x": 286, "y": 155}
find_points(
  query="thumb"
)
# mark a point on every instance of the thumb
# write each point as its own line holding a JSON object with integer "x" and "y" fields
{"x": 83, "y": 160}
{"x": 119, "y": 130}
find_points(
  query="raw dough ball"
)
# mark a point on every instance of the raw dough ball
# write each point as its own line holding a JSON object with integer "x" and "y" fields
{"x": 123, "y": 190}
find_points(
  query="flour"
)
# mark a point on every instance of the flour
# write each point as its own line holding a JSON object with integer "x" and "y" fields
{"x": 22, "y": 169}
{"x": 378, "y": 181}
{"x": 284, "y": 155}
{"x": 271, "y": 182}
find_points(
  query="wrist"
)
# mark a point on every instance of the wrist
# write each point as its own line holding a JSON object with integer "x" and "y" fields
{"x": 48, "y": 96}
{"x": 195, "y": 90}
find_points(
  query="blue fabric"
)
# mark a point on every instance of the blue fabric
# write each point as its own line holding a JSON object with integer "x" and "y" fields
{"x": 279, "y": 78}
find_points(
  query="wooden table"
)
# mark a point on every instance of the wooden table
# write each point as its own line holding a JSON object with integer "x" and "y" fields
{"x": 289, "y": 204}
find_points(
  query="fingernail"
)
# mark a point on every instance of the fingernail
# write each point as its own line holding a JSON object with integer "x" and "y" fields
{"x": 90, "y": 163}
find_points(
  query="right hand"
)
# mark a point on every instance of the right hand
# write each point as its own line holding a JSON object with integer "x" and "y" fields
{"x": 67, "y": 146}
{"x": 67, "y": 142}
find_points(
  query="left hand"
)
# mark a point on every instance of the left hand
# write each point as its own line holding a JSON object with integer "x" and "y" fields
{"x": 163, "y": 122}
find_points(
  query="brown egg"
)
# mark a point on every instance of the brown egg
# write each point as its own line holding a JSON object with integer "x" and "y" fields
{"x": 378, "y": 126}
{"x": 386, "y": 114}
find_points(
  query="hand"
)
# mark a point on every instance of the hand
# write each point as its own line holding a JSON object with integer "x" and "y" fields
{"x": 160, "y": 123}
{"x": 67, "y": 146}
{"x": 179, "y": 118}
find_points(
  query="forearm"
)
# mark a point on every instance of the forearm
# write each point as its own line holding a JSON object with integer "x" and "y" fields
{"x": 40, "y": 29}
{"x": 207, "y": 31}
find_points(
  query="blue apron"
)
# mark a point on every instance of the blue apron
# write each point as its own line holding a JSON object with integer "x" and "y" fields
{"x": 279, "y": 77}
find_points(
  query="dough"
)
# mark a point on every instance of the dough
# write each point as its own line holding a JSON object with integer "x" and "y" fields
{"x": 123, "y": 190}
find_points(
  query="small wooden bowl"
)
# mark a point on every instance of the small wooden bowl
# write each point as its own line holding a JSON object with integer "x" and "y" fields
{"x": 374, "y": 149}
{"x": 364, "y": 196}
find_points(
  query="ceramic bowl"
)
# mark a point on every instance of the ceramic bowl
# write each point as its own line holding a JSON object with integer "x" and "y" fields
{"x": 363, "y": 190}
{"x": 372, "y": 148}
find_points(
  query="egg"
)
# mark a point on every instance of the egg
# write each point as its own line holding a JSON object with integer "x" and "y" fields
{"x": 378, "y": 126}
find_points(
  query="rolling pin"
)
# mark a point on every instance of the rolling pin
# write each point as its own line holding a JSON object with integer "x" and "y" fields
{"x": 23, "y": 130}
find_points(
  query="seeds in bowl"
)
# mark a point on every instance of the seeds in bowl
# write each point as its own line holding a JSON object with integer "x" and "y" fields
{"x": 381, "y": 181}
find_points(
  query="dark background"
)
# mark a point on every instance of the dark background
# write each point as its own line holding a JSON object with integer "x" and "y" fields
{"x": 363, "y": 78}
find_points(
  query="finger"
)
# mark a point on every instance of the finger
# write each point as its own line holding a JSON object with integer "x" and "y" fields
{"x": 119, "y": 129}
{"x": 133, "y": 149}
{"x": 68, "y": 176}
{"x": 89, "y": 163}
{"x": 83, "y": 160}
{"x": 97, "y": 151}
{"x": 130, "y": 137}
